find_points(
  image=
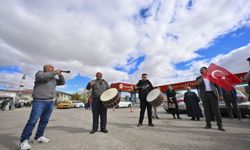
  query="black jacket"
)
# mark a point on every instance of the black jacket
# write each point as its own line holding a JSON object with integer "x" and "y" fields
{"x": 144, "y": 87}
{"x": 171, "y": 93}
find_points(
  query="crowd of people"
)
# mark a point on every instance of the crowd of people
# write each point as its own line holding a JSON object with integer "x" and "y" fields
{"x": 44, "y": 94}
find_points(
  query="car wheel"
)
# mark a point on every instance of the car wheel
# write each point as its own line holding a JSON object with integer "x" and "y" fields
{"x": 129, "y": 105}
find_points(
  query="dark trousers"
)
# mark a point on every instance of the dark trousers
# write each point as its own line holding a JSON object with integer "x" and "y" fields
{"x": 98, "y": 109}
{"x": 211, "y": 104}
{"x": 143, "y": 105}
{"x": 176, "y": 110}
{"x": 228, "y": 100}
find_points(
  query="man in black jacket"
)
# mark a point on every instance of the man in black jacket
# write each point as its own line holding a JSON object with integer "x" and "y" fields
{"x": 144, "y": 86}
{"x": 230, "y": 97}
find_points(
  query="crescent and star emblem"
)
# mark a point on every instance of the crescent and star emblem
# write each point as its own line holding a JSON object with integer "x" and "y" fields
{"x": 222, "y": 75}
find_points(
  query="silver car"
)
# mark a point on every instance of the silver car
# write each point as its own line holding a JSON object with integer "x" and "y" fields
{"x": 243, "y": 103}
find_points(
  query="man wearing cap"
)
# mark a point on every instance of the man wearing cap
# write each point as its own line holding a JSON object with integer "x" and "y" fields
{"x": 43, "y": 103}
{"x": 247, "y": 78}
{"x": 98, "y": 86}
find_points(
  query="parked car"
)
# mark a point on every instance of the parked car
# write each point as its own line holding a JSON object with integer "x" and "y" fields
{"x": 180, "y": 102}
{"x": 64, "y": 105}
{"x": 4, "y": 105}
{"x": 124, "y": 103}
{"x": 243, "y": 103}
{"x": 77, "y": 104}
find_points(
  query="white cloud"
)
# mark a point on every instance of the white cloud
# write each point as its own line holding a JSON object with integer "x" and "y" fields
{"x": 89, "y": 36}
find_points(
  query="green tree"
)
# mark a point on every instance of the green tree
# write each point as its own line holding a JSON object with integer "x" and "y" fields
{"x": 84, "y": 99}
{"x": 76, "y": 96}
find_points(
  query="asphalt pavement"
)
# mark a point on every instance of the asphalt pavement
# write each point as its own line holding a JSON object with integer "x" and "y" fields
{"x": 68, "y": 129}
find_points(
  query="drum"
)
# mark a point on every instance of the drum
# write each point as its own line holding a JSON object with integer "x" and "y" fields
{"x": 155, "y": 97}
{"x": 110, "y": 98}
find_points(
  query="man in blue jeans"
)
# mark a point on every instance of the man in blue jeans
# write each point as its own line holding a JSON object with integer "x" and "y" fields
{"x": 43, "y": 95}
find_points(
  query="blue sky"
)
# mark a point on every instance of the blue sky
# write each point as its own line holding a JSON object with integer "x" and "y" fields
{"x": 78, "y": 83}
{"x": 222, "y": 45}
{"x": 10, "y": 69}
{"x": 169, "y": 40}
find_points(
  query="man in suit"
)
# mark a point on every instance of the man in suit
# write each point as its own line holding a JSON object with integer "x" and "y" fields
{"x": 230, "y": 97}
{"x": 210, "y": 94}
{"x": 144, "y": 86}
{"x": 98, "y": 86}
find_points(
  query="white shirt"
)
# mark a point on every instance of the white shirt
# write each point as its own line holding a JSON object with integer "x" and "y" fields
{"x": 207, "y": 84}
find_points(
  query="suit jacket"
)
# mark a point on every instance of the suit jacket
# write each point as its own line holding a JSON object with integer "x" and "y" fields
{"x": 202, "y": 89}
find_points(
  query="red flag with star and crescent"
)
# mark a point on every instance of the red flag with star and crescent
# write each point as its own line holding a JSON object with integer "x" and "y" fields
{"x": 221, "y": 77}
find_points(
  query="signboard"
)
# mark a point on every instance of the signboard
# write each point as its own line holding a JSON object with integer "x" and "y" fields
{"x": 126, "y": 87}
{"x": 123, "y": 86}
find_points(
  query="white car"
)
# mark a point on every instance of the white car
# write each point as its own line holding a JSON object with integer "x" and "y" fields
{"x": 77, "y": 104}
{"x": 124, "y": 103}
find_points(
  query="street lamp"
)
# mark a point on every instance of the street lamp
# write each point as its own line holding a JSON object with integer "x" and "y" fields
{"x": 21, "y": 85}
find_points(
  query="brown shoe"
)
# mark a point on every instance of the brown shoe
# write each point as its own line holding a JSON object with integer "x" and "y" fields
{"x": 139, "y": 124}
{"x": 221, "y": 128}
{"x": 104, "y": 130}
{"x": 92, "y": 131}
{"x": 151, "y": 125}
{"x": 208, "y": 127}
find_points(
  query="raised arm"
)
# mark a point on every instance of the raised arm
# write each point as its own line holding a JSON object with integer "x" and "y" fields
{"x": 44, "y": 76}
{"x": 61, "y": 80}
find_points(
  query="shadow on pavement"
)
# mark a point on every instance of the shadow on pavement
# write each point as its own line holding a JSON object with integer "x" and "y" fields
{"x": 69, "y": 129}
{"x": 9, "y": 141}
{"x": 122, "y": 125}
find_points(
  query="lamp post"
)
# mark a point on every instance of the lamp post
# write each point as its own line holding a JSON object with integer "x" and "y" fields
{"x": 21, "y": 85}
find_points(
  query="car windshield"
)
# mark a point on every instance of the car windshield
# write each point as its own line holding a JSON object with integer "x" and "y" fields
{"x": 178, "y": 96}
{"x": 239, "y": 93}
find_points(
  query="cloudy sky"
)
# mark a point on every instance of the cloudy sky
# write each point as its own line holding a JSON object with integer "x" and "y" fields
{"x": 168, "y": 39}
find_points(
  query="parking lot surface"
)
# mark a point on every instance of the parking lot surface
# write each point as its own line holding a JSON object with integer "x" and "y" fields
{"x": 68, "y": 129}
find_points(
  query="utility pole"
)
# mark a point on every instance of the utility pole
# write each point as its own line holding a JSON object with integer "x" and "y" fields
{"x": 21, "y": 85}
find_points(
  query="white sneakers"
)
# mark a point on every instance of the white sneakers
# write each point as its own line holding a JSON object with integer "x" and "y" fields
{"x": 42, "y": 139}
{"x": 25, "y": 144}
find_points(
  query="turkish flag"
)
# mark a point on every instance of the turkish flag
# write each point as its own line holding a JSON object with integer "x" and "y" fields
{"x": 221, "y": 77}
